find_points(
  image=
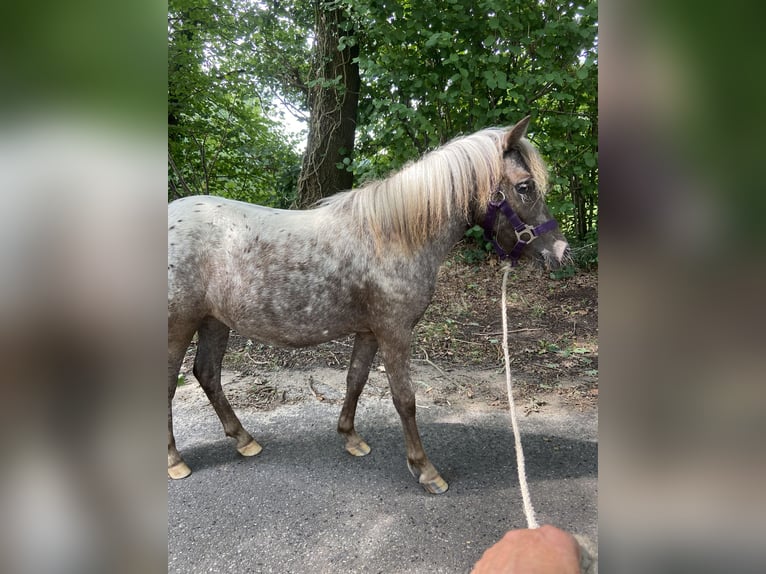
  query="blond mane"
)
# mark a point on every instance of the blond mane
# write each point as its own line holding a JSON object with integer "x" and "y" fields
{"x": 416, "y": 203}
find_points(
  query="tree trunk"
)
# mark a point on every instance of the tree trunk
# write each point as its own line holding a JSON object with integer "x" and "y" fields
{"x": 579, "y": 211}
{"x": 333, "y": 104}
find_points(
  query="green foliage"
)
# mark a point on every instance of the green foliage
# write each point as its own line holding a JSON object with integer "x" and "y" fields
{"x": 220, "y": 138}
{"x": 564, "y": 272}
{"x": 474, "y": 248}
{"x": 585, "y": 252}
{"x": 431, "y": 70}
{"x": 490, "y": 62}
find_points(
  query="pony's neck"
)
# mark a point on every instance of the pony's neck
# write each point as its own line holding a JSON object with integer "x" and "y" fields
{"x": 445, "y": 240}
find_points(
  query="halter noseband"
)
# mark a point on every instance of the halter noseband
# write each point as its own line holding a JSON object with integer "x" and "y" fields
{"x": 525, "y": 234}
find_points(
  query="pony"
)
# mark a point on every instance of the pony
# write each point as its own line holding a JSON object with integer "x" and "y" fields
{"x": 361, "y": 262}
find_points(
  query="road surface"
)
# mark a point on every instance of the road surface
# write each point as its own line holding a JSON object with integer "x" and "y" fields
{"x": 305, "y": 505}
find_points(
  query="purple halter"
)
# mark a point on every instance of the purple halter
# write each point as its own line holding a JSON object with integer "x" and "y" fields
{"x": 525, "y": 233}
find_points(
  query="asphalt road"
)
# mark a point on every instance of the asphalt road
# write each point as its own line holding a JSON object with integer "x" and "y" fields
{"x": 305, "y": 505}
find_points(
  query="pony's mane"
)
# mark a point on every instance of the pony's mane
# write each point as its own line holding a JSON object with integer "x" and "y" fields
{"x": 415, "y": 203}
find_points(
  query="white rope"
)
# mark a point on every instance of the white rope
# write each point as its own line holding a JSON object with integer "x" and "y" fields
{"x": 529, "y": 512}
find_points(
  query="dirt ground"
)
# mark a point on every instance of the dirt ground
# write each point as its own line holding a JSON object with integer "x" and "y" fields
{"x": 457, "y": 351}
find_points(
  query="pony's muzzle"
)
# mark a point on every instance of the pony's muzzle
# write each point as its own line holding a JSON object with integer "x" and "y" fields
{"x": 556, "y": 256}
{"x": 560, "y": 250}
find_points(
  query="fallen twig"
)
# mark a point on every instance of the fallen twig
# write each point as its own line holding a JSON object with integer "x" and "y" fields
{"x": 467, "y": 342}
{"x": 249, "y": 356}
{"x": 514, "y": 331}
{"x": 317, "y": 396}
{"x": 427, "y": 360}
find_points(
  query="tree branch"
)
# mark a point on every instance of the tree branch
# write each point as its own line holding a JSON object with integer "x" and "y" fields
{"x": 179, "y": 175}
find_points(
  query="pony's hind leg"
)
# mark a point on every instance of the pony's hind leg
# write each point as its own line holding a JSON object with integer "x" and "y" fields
{"x": 396, "y": 357}
{"x": 179, "y": 337}
{"x": 365, "y": 347}
{"x": 213, "y": 337}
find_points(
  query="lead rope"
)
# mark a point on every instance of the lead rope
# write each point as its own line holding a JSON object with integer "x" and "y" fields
{"x": 588, "y": 550}
{"x": 529, "y": 511}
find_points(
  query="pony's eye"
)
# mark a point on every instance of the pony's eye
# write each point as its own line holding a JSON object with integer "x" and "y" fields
{"x": 525, "y": 187}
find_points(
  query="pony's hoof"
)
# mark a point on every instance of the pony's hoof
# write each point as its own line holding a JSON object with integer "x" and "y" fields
{"x": 436, "y": 486}
{"x": 179, "y": 470}
{"x": 360, "y": 448}
{"x": 250, "y": 449}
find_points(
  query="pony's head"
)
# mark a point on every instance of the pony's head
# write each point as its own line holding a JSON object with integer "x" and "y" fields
{"x": 452, "y": 187}
{"x": 522, "y": 185}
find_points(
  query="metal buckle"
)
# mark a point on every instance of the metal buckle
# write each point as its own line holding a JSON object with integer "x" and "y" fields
{"x": 526, "y": 235}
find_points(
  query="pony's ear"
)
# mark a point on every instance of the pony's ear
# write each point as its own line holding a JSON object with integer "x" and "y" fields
{"x": 514, "y": 134}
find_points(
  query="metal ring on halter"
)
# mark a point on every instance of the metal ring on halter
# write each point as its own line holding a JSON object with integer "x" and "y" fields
{"x": 499, "y": 194}
{"x": 526, "y": 235}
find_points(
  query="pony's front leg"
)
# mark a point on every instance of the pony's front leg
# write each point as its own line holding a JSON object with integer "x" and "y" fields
{"x": 396, "y": 357}
{"x": 365, "y": 347}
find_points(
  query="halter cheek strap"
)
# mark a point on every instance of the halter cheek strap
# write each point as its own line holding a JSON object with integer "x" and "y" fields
{"x": 525, "y": 234}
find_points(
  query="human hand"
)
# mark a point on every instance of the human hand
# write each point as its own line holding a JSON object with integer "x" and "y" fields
{"x": 544, "y": 550}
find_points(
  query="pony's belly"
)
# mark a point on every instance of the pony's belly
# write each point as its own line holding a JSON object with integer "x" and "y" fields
{"x": 297, "y": 340}
{"x": 292, "y": 332}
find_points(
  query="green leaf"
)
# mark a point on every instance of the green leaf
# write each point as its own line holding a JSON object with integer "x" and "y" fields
{"x": 433, "y": 40}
